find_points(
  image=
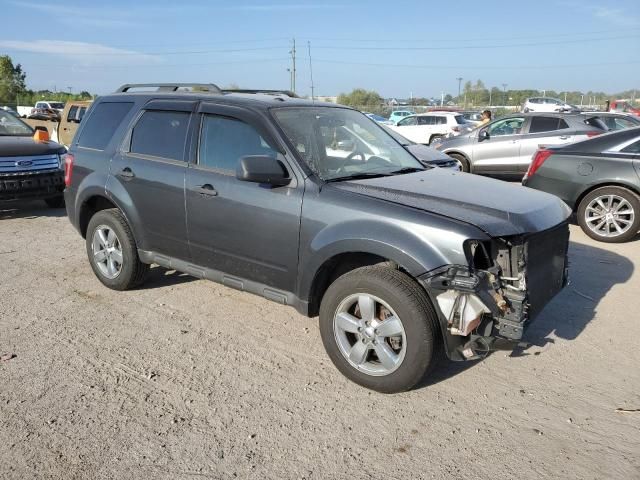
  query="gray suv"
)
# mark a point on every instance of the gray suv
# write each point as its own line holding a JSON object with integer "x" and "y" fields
{"x": 400, "y": 261}
{"x": 505, "y": 146}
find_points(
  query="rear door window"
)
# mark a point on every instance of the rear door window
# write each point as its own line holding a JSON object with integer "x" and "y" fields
{"x": 160, "y": 134}
{"x": 102, "y": 124}
{"x": 547, "y": 124}
{"x": 596, "y": 122}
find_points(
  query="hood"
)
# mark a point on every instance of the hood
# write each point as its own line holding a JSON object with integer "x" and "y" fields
{"x": 25, "y": 146}
{"x": 496, "y": 207}
{"x": 456, "y": 141}
{"x": 427, "y": 154}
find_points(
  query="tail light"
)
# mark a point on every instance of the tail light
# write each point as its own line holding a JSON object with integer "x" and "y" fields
{"x": 593, "y": 134}
{"x": 538, "y": 159}
{"x": 455, "y": 129}
{"x": 68, "y": 168}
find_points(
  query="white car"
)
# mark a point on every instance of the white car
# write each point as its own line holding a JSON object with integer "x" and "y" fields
{"x": 49, "y": 105}
{"x": 426, "y": 127}
{"x": 547, "y": 104}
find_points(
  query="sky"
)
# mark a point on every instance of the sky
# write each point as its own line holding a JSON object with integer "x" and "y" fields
{"x": 399, "y": 48}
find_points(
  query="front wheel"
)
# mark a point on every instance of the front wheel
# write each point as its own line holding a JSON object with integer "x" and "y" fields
{"x": 464, "y": 163}
{"x": 112, "y": 251}
{"x": 610, "y": 214}
{"x": 379, "y": 328}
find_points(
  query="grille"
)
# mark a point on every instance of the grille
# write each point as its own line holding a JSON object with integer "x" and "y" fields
{"x": 546, "y": 258}
{"x": 13, "y": 165}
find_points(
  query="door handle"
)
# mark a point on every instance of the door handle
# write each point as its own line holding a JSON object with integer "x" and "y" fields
{"x": 206, "y": 190}
{"x": 564, "y": 137}
{"x": 126, "y": 173}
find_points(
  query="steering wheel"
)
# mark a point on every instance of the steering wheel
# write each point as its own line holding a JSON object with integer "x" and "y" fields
{"x": 350, "y": 157}
{"x": 353, "y": 154}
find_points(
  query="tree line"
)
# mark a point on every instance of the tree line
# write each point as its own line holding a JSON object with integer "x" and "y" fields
{"x": 14, "y": 91}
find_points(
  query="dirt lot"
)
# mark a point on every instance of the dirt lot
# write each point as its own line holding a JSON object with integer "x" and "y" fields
{"x": 188, "y": 379}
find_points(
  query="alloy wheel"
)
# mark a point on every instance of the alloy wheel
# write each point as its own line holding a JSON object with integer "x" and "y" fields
{"x": 609, "y": 215}
{"x": 369, "y": 334}
{"x": 107, "y": 251}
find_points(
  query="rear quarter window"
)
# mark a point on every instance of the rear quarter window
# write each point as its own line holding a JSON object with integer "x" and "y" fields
{"x": 102, "y": 124}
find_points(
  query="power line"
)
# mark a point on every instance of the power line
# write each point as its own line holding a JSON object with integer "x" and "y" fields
{"x": 480, "y": 67}
{"x": 572, "y": 34}
{"x": 476, "y": 47}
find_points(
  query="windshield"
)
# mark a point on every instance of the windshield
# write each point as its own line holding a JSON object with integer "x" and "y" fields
{"x": 57, "y": 105}
{"x": 339, "y": 143}
{"x": 12, "y": 126}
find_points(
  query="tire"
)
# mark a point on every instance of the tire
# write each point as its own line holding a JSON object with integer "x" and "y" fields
{"x": 433, "y": 137}
{"x": 624, "y": 206}
{"x": 55, "y": 202}
{"x": 463, "y": 161}
{"x": 128, "y": 271}
{"x": 414, "y": 349}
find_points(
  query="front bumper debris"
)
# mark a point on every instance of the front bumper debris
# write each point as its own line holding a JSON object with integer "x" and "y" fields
{"x": 499, "y": 300}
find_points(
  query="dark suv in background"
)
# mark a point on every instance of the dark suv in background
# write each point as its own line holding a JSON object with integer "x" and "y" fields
{"x": 399, "y": 260}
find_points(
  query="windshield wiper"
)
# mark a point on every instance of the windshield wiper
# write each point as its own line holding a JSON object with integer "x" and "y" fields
{"x": 359, "y": 176}
{"x": 404, "y": 170}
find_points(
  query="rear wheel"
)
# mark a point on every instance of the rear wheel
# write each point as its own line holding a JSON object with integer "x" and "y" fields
{"x": 112, "y": 251}
{"x": 610, "y": 214}
{"x": 379, "y": 328}
{"x": 464, "y": 163}
{"x": 55, "y": 202}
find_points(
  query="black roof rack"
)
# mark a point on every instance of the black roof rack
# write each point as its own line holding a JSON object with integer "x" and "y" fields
{"x": 287, "y": 93}
{"x": 172, "y": 87}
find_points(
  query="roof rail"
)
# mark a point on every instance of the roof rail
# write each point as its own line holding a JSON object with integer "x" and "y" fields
{"x": 287, "y": 93}
{"x": 172, "y": 87}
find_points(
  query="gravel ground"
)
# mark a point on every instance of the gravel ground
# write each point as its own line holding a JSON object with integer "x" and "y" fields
{"x": 188, "y": 379}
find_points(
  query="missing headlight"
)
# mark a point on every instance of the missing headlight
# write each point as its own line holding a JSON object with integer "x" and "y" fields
{"x": 477, "y": 253}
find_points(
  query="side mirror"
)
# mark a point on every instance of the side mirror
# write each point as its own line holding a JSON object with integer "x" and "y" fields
{"x": 262, "y": 169}
{"x": 483, "y": 135}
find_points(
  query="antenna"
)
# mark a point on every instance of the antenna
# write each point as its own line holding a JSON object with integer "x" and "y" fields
{"x": 311, "y": 72}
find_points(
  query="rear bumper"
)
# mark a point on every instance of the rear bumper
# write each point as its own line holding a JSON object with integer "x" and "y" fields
{"x": 40, "y": 185}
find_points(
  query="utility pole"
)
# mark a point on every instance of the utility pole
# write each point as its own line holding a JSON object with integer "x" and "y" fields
{"x": 490, "y": 93}
{"x": 310, "y": 70}
{"x": 504, "y": 94}
{"x": 459, "y": 83}
{"x": 293, "y": 66}
{"x": 69, "y": 90}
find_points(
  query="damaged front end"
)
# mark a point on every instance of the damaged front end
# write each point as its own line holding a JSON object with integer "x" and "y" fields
{"x": 506, "y": 284}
